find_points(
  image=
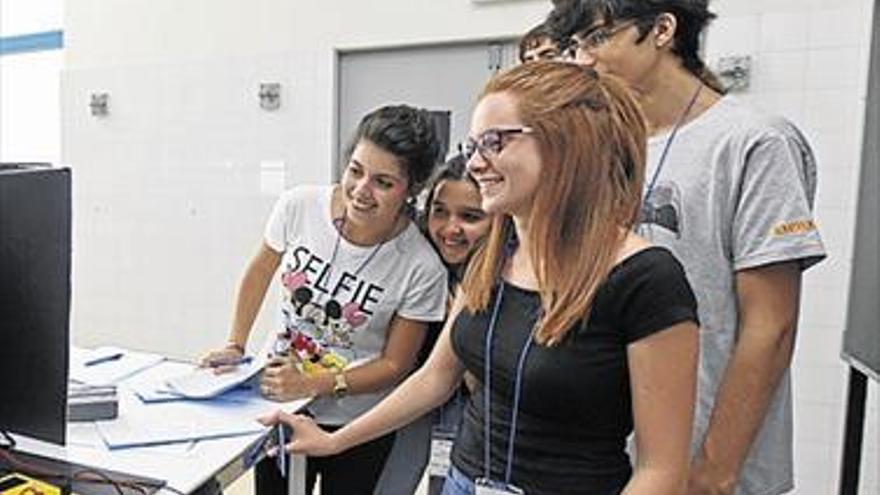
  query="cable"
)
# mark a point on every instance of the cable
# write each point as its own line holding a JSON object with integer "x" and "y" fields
{"x": 7, "y": 441}
{"x": 85, "y": 475}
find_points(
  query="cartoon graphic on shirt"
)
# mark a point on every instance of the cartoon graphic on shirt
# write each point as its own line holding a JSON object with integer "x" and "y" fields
{"x": 319, "y": 322}
{"x": 662, "y": 207}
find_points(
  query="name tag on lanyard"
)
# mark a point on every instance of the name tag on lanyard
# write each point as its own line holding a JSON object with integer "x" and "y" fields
{"x": 482, "y": 486}
{"x": 441, "y": 450}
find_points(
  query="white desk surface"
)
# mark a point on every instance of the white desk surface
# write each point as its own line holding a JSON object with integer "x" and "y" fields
{"x": 184, "y": 466}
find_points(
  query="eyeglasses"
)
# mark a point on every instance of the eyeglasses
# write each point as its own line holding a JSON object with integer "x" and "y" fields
{"x": 590, "y": 40}
{"x": 490, "y": 142}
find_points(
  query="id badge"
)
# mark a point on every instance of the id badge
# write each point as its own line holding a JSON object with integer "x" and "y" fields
{"x": 441, "y": 451}
{"x": 483, "y": 486}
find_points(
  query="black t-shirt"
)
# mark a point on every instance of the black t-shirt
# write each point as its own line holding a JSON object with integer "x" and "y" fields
{"x": 575, "y": 405}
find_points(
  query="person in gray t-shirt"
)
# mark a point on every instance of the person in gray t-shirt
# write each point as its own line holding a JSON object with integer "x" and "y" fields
{"x": 730, "y": 192}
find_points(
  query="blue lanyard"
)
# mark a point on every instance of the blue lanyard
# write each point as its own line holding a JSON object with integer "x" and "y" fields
{"x": 668, "y": 144}
{"x": 487, "y": 389}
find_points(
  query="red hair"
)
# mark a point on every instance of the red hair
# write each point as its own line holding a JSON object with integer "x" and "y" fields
{"x": 591, "y": 137}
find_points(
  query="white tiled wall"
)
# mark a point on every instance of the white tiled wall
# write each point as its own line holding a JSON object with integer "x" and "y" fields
{"x": 810, "y": 63}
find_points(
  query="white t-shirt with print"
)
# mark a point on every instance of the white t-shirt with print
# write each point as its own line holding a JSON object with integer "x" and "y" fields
{"x": 343, "y": 304}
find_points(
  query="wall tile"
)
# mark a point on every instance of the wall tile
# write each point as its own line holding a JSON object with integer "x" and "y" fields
{"x": 836, "y": 27}
{"x": 784, "y": 31}
{"x": 836, "y": 225}
{"x": 833, "y": 68}
{"x": 824, "y": 306}
{"x": 813, "y": 468}
{"x": 834, "y": 110}
{"x": 733, "y": 35}
{"x": 817, "y": 357}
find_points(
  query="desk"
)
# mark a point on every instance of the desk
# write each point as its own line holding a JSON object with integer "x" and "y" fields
{"x": 189, "y": 467}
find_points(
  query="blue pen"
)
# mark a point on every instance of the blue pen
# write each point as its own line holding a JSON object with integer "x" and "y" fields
{"x": 235, "y": 362}
{"x": 104, "y": 359}
{"x": 281, "y": 460}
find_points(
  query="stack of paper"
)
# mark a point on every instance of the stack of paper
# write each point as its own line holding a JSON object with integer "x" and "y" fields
{"x": 158, "y": 391}
{"x": 205, "y": 383}
{"x": 179, "y": 422}
{"x": 184, "y": 421}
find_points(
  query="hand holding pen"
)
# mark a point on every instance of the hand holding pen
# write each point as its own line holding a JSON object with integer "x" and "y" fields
{"x": 283, "y": 381}
{"x": 306, "y": 438}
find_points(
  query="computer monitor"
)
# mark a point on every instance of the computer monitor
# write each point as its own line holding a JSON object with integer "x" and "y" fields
{"x": 35, "y": 236}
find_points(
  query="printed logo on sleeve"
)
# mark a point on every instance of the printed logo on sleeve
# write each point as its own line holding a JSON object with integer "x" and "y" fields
{"x": 796, "y": 227}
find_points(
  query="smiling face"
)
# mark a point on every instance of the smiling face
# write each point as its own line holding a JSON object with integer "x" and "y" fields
{"x": 621, "y": 48}
{"x": 374, "y": 187}
{"x": 455, "y": 220}
{"x": 508, "y": 174}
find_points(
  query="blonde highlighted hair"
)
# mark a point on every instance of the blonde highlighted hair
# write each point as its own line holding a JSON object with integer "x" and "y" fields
{"x": 591, "y": 137}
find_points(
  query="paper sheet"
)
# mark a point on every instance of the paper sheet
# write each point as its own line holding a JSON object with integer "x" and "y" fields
{"x": 112, "y": 371}
{"x": 204, "y": 383}
{"x": 174, "y": 422}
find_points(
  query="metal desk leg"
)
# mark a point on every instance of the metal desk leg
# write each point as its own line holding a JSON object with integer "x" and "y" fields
{"x": 852, "y": 438}
{"x": 296, "y": 479}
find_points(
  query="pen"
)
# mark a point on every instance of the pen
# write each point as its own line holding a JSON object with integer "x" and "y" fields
{"x": 281, "y": 460}
{"x": 103, "y": 359}
{"x": 234, "y": 362}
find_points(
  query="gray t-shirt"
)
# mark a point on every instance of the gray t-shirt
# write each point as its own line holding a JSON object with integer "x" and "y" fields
{"x": 338, "y": 298}
{"x": 735, "y": 192}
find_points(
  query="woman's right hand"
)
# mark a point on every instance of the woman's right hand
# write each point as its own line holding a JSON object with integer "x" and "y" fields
{"x": 222, "y": 360}
{"x": 308, "y": 438}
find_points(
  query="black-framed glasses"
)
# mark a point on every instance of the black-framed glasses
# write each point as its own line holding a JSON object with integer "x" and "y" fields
{"x": 490, "y": 142}
{"x": 593, "y": 38}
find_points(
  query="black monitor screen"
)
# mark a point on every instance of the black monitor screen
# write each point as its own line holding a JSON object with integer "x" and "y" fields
{"x": 35, "y": 235}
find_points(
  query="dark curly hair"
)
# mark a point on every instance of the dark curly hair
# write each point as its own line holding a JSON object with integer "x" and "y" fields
{"x": 455, "y": 168}
{"x": 572, "y": 16}
{"x": 409, "y": 134}
{"x": 533, "y": 38}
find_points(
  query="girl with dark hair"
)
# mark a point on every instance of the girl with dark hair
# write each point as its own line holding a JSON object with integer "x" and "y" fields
{"x": 453, "y": 218}
{"x": 360, "y": 287}
{"x": 578, "y": 331}
{"x": 454, "y": 222}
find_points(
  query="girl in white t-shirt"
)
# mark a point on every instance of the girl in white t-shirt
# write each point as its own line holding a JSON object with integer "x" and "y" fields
{"x": 360, "y": 286}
